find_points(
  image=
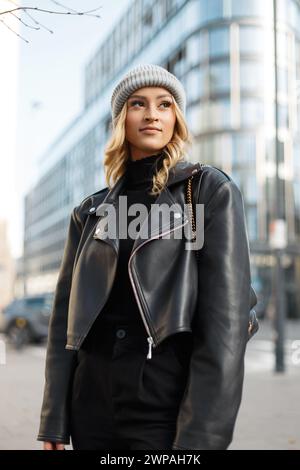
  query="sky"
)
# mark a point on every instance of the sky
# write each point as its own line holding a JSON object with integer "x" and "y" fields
{"x": 42, "y": 90}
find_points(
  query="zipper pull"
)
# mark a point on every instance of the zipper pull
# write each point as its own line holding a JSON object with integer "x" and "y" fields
{"x": 150, "y": 341}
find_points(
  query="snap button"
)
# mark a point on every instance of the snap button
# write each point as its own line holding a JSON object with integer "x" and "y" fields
{"x": 121, "y": 333}
{"x": 92, "y": 209}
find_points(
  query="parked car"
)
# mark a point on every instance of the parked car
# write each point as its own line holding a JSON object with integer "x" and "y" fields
{"x": 26, "y": 320}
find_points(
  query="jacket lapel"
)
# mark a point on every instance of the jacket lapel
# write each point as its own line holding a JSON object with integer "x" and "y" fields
{"x": 111, "y": 200}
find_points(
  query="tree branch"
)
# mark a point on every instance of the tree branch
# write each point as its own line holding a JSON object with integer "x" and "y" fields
{"x": 23, "y": 22}
{"x": 86, "y": 13}
{"x": 32, "y": 18}
{"x": 8, "y": 27}
{"x": 70, "y": 11}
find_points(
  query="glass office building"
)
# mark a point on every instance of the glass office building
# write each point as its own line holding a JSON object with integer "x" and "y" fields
{"x": 244, "y": 118}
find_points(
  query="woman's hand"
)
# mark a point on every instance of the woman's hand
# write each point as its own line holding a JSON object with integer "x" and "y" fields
{"x": 53, "y": 446}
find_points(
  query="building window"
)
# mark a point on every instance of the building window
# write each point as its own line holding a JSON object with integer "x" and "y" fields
{"x": 252, "y": 76}
{"x": 215, "y": 115}
{"x": 194, "y": 48}
{"x": 283, "y": 116}
{"x": 219, "y": 74}
{"x": 251, "y": 217}
{"x": 243, "y": 151}
{"x": 170, "y": 7}
{"x": 252, "y": 112}
{"x": 193, "y": 116}
{"x": 148, "y": 18}
{"x": 252, "y": 8}
{"x": 204, "y": 81}
{"x": 251, "y": 39}
{"x": 196, "y": 83}
{"x": 282, "y": 80}
{"x": 193, "y": 84}
{"x": 282, "y": 45}
{"x": 177, "y": 62}
{"x": 218, "y": 42}
{"x": 210, "y": 10}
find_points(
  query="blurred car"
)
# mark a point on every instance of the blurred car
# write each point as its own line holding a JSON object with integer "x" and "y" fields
{"x": 26, "y": 320}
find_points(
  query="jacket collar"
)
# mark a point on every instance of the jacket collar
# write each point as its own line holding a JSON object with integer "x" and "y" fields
{"x": 182, "y": 171}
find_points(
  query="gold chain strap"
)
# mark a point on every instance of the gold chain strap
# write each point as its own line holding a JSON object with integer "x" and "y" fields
{"x": 190, "y": 209}
{"x": 252, "y": 322}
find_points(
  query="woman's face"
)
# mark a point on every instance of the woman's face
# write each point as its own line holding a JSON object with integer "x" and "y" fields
{"x": 154, "y": 107}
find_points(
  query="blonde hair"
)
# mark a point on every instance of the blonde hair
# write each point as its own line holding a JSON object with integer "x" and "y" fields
{"x": 117, "y": 150}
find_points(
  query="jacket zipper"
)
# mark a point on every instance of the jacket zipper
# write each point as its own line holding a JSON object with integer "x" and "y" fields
{"x": 150, "y": 337}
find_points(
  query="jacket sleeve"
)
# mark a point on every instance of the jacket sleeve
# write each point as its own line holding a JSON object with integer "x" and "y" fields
{"x": 60, "y": 362}
{"x": 212, "y": 397}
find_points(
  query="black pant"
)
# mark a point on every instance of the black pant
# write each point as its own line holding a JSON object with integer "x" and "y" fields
{"x": 121, "y": 399}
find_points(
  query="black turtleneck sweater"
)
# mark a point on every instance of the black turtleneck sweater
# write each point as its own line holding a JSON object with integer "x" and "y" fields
{"x": 121, "y": 307}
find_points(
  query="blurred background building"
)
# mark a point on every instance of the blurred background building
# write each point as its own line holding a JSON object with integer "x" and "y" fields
{"x": 7, "y": 267}
{"x": 244, "y": 118}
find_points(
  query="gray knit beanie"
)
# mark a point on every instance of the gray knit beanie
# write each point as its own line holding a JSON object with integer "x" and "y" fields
{"x": 146, "y": 75}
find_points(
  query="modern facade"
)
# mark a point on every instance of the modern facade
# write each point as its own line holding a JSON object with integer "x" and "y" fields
{"x": 244, "y": 117}
{"x": 7, "y": 267}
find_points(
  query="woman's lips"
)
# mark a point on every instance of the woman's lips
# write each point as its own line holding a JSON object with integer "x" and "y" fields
{"x": 150, "y": 131}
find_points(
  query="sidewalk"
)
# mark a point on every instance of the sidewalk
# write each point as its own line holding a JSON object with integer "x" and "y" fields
{"x": 269, "y": 416}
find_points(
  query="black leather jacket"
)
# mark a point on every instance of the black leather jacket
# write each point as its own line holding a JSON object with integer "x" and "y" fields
{"x": 210, "y": 298}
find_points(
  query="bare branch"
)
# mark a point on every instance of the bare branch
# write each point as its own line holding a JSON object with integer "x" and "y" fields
{"x": 24, "y": 9}
{"x": 23, "y": 22}
{"x": 32, "y": 18}
{"x": 80, "y": 13}
{"x": 63, "y": 6}
{"x": 3, "y": 22}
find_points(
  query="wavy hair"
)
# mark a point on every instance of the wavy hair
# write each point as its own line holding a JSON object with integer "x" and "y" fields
{"x": 117, "y": 150}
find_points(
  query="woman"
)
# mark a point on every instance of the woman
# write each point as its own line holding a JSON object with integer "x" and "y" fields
{"x": 146, "y": 344}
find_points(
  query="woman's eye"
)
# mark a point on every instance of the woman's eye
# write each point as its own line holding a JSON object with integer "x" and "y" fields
{"x": 167, "y": 103}
{"x": 136, "y": 102}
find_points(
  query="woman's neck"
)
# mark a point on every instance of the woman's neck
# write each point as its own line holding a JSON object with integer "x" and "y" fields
{"x": 140, "y": 172}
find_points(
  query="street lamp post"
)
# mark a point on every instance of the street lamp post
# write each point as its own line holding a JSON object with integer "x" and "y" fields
{"x": 278, "y": 237}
